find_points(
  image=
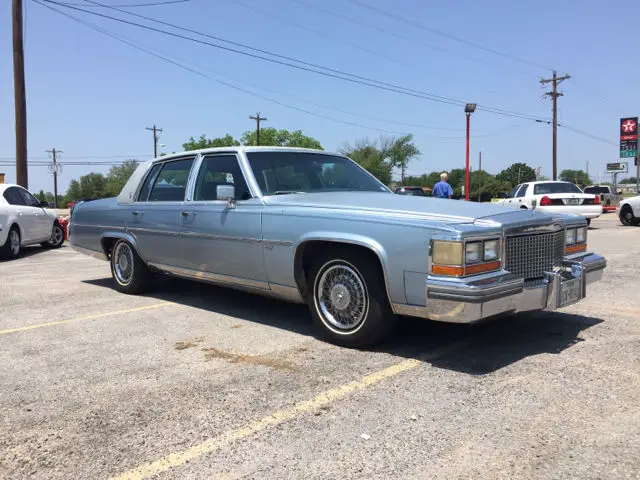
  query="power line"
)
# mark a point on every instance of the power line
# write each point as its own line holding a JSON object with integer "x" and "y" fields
{"x": 449, "y": 36}
{"x": 163, "y": 57}
{"x": 305, "y": 66}
{"x": 490, "y": 109}
{"x": 168, "y": 2}
{"x": 403, "y": 37}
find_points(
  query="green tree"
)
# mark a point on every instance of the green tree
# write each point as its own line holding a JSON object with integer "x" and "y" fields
{"x": 579, "y": 177}
{"x": 628, "y": 180}
{"x": 380, "y": 157}
{"x": 74, "y": 192}
{"x": 41, "y": 196}
{"x": 204, "y": 142}
{"x": 280, "y": 138}
{"x": 118, "y": 176}
{"x": 517, "y": 173}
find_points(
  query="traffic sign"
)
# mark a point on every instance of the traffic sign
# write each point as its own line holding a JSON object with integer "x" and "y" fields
{"x": 628, "y": 137}
{"x": 618, "y": 167}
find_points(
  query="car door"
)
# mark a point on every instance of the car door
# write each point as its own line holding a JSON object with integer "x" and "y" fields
{"x": 520, "y": 199}
{"x": 154, "y": 219}
{"x": 508, "y": 200}
{"x": 23, "y": 215}
{"x": 43, "y": 224}
{"x": 221, "y": 239}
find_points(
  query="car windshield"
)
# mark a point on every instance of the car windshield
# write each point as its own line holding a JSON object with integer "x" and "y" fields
{"x": 411, "y": 191}
{"x": 555, "y": 187}
{"x": 596, "y": 190}
{"x": 301, "y": 172}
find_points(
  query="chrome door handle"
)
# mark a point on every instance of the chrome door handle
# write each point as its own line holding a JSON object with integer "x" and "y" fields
{"x": 135, "y": 212}
{"x": 186, "y": 214}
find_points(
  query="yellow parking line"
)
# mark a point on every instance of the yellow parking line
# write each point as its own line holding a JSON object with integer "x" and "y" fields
{"x": 80, "y": 319}
{"x": 176, "y": 459}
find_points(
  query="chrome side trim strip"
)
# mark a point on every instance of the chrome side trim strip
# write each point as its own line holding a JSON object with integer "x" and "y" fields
{"x": 170, "y": 233}
{"x": 220, "y": 237}
{"x": 285, "y": 243}
{"x": 104, "y": 227}
{"x": 210, "y": 277}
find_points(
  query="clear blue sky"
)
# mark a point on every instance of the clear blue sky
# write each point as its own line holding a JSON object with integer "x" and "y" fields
{"x": 90, "y": 95}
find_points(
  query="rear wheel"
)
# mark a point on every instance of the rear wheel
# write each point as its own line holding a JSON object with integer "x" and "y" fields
{"x": 627, "y": 217}
{"x": 347, "y": 298}
{"x": 11, "y": 247}
{"x": 129, "y": 272}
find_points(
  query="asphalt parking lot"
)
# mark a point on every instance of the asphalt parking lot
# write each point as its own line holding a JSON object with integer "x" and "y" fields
{"x": 194, "y": 381}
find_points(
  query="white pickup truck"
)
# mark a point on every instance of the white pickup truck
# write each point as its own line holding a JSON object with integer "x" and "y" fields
{"x": 609, "y": 197}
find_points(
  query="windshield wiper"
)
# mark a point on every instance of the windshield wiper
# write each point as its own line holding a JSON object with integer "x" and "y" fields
{"x": 286, "y": 192}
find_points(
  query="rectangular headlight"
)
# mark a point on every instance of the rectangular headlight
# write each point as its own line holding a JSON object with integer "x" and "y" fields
{"x": 571, "y": 236}
{"x": 491, "y": 250}
{"x": 581, "y": 235}
{"x": 447, "y": 253}
{"x": 473, "y": 252}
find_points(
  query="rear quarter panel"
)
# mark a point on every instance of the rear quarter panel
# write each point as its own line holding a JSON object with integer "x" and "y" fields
{"x": 91, "y": 221}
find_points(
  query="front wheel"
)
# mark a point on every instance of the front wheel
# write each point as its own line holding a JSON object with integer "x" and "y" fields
{"x": 348, "y": 300}
{"x": 627, "y": 217}
{"x": 129, "y": 272}
{"x": 57, "y": 237}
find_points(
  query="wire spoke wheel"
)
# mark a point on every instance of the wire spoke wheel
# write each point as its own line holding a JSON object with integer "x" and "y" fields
{"x": 123, "y": 263}
{"x": 341, "y": 297}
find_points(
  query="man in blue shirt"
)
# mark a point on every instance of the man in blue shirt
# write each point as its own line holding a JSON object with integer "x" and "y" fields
{"x": 442, "y": 189}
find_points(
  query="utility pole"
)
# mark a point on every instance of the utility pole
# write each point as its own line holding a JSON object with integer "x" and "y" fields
{"x": 554, "y": 94}
{"x": 54, "y": 170}
{"x": 20, "y": 100}
{"x": 155, "y": 131}
{"x": 479, "y": 175}
{"x": 258, "y": 119}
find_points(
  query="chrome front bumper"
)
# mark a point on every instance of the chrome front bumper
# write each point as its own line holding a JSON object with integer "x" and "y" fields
{"x": 470, "y": 301}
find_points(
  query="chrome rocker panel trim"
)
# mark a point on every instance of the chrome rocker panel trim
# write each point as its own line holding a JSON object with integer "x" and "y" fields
{"x": 504, "y": 293}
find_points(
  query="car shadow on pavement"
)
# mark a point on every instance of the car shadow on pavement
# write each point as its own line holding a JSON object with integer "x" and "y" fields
{"x": 473, "y": 349}
{"x": 25, "y": 252}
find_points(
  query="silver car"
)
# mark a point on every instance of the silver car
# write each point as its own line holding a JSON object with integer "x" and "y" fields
{"x": 314, "y": 227}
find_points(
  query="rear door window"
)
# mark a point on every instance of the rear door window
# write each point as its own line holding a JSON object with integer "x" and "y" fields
{"x": 12, "y": 195}
{"x": 171, "y": 183}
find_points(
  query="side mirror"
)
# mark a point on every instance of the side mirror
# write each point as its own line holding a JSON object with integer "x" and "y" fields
{"x": 228, "y": 193}
{"x": 44, "y": 204}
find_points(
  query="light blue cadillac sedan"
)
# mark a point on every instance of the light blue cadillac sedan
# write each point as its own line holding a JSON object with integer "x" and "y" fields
{"x": 314, "y": 227}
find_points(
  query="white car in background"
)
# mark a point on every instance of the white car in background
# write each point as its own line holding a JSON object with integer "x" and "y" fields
{"x": 628, "y": 211}
{"x": 24, "y": 220}
{"x": 554, "y": 197}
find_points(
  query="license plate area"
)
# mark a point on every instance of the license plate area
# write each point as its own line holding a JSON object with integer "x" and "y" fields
{"x": 573, "y": 201}
{"x": 570, "y": 292}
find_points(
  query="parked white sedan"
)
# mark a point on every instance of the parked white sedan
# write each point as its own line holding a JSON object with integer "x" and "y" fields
{"x": 554, "y": 197}
{"x": 24, "y": 220}
{"x": 628, "y": 211}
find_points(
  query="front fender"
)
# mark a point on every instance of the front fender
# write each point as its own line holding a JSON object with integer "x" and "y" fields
{"x": 352, "y": 239}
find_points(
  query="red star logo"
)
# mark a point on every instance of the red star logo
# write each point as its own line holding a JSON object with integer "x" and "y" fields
{"x": 628, "y": 126}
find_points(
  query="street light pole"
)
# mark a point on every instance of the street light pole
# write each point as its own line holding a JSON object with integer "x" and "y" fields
{"x": 468, "y": 109}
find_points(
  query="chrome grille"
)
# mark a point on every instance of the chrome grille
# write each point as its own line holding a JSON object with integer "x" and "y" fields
{"x": 532, "y": 255}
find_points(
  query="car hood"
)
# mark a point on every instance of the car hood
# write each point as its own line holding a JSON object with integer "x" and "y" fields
{"x": 410, "y": 207}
